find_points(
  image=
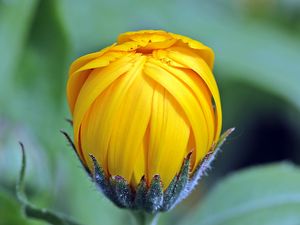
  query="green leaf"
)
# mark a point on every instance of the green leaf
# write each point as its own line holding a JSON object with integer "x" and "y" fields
{"x": 10, "y": 210}
{"x": 36, "y": 89}
{"x": 265, "y": 195}
{"x": 15, "y": 20}
{"x": 249, "y": 51}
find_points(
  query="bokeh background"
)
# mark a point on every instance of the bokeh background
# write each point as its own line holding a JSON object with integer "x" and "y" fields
{"x": 257, "y": 67}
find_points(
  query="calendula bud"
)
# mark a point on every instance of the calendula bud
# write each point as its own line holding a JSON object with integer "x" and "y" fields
{"x": 146, "y": 116}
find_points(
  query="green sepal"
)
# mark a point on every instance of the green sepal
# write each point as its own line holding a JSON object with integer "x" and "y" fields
{"x": 169, "y": 195}
{"x": 154, "y": 196}
{"x": 100, "y": 179}
{"x": 71, "y": 143}
{"x": 153, "y": 199}
{"x": 140, "y": 195}
{"x": 121, "y": 191}
{"x": 223, "y": 137}
{"x": 177, "y": 185}
{"x": 204, "y": 166}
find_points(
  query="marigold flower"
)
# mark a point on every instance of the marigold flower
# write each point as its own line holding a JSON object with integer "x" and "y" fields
{"x": 143, "y": 108}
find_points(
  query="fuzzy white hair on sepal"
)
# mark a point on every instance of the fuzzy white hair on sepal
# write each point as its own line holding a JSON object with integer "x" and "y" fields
{"x": 204, "y": 167}
{"x": 155, "y": 198}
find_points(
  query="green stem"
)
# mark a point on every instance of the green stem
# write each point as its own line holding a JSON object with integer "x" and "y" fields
{"x": 143, "y": 218}
{"x": 33, "y": 211}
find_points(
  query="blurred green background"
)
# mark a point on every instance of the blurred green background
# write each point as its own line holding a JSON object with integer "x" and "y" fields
{"x": 257, "y": 47}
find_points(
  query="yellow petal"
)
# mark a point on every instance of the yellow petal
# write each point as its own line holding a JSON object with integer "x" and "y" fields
{"x": 145, "y": 41}
{"x": 194, "y": 62}
{"x": 143, "y": 36}
{"x": 86, "y": 58}
{"x": 159, "y": 39}
{"x": 202, "y": 50}
{"x": 96, "y": 129}
{"x": 196, "y": 86}
{"x": 97, "y": 82}
{"x": 81, "y": 68}
{"x": 102, "y": 61}
{"x": 74, "y": 86}
{"x": 130, "y": 125}
{"x": 187, "y": 101}
{"x": 140, "y": 164}
{"x": 168, "y": 137}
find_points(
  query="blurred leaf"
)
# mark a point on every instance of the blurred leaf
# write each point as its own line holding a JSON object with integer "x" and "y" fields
{"x": 254, "y": 52}
{"x": 10, "y": 210}
{"x": 15, "y": 19}
{"x": 44, "y": 61}
{"x": 38, "y": 83}
{"x": 248, "y": 51}
{"x": 32, "y": 211}
{"x": 260, "y": 55}
{"x": 34, "y": 52}
{"x": 265, "y": 195}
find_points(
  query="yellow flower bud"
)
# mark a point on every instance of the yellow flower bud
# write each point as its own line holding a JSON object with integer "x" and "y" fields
{"x": 141, "y": 105}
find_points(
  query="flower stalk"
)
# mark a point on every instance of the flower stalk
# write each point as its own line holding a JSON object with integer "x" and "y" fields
{"x": 143, "y": 218}
{"x": 30, "y": 210}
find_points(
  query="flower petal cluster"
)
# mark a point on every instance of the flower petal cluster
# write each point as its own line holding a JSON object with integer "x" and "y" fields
{"x": 143, "y": 106}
